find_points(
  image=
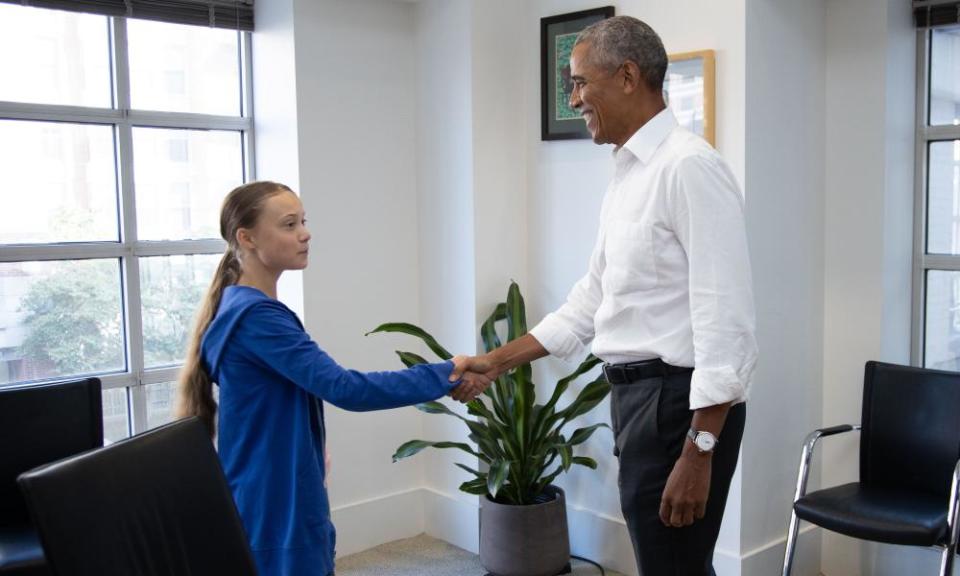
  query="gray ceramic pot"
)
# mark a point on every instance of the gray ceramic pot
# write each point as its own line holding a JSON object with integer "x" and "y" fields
{"x": 525, "y": 540}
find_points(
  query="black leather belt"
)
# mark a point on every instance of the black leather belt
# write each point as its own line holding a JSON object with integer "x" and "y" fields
{"x": 633, "y": 371}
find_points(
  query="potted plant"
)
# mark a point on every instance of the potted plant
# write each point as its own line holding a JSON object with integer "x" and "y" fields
{"x": 523, "y": 446}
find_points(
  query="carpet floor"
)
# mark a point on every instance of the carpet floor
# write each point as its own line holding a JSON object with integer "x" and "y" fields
{"x": 426, "y": 556}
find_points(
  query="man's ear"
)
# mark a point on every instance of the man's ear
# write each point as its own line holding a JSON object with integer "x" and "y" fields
{"x": 632, "y": 80}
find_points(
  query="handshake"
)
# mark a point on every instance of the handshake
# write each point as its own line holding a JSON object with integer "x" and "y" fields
{"x": 475, "y": 374}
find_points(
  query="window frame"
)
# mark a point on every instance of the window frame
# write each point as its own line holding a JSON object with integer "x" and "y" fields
{"x": 924, "y": 262}
{"x": 129, "y": 249}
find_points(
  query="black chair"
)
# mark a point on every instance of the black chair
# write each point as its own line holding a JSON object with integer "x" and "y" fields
{"x": 909, "y": 466}
{"x": 156, "y": 504}
{"x": 39, "y": 424}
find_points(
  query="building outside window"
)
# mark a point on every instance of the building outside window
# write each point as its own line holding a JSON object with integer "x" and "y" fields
{"x": 118, "y": 140}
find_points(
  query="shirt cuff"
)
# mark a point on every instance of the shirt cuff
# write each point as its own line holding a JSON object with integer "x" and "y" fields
{"x": 552, "y": 333}
{"x": 443, "y": 370}
{"x": 713, "y": 386}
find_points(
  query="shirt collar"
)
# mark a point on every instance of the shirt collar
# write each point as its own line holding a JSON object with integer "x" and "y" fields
{"x": 648, "y": 138}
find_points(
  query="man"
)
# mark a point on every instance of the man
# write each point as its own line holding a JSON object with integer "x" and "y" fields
{"x": 666, "y": 302}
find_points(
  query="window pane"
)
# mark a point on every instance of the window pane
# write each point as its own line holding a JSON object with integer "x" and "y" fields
{"x": 943, "y": 198}
{"x": 54, "y": 57}
{"x": 178, "y": 68}
{"x": 945, "y": 76}
{"x": 181, "y": 178}
{"x": 160, "y": 403}
{"x": 60, "y": 182}
{"x": 942, "y": 340}
{"x": 60, "y": 318}
{"x": 116, "y": 418}
{"x": 172, "y": 288}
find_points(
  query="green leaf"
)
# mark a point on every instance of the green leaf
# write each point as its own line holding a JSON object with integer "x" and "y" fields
{"x": 580, "y": 435}
{"x": 434, "y": 407}
{"x": 566, "y": 455}
{"x": 516, "y": 313}
{"x": 412, "y": 447}
{"x": 541, "y": 423}
{"x": 584, "y": 461}
{"x": 497, "y": 474}
{"x": 412, "y": 330}
{"x": 476, "y": 473}
{"x": 410, "y": 359}
{"x": 488, "y": 332}
{"x": 477, "y": 486}
{"x": 591, "y": 395}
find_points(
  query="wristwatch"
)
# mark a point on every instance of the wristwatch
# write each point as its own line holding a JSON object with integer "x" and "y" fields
{"x": 704, "y": 441}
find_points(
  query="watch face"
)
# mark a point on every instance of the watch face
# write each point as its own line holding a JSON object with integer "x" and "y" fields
{"x": 705, "y": 442}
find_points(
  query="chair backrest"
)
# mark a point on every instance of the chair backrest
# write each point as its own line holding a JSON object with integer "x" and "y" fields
{"x": 911, "y": 428}
{"x": 40, "y": 424}
{"x": 155, "y": 504}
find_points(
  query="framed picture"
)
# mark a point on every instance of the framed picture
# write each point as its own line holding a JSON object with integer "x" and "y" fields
{"x": 558, "y": 121}
{"x": 689, "y": 91}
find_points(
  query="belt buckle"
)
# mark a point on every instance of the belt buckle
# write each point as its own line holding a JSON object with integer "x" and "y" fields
{"x": 612, "y": 373}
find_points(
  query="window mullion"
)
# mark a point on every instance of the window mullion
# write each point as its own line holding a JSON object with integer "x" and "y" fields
{"x": 940, "y": 262}
{"x": 246, "y": 85}
{"x": 128, "y": 229}
{"x": 920, "y": 199}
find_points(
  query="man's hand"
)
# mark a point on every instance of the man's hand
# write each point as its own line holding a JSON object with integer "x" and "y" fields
{"x": 472, "y": 384}
{"x": 481, "y": 365}
{"x": 684, "y": 498}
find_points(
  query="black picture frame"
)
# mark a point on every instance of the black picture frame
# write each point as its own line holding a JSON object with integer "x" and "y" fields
{"x": 557, "y": 120}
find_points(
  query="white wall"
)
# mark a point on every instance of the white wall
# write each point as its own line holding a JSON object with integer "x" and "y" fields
{"x": 336, "y": 118}
{"x": 785, "y": 106}
{"x": 275, "y": 114}
{"x": 869, "y": 184}
{"x": 447, "y": 274}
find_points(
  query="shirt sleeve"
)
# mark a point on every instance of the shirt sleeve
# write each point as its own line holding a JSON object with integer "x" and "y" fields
{"x": 568, "y": 331}
{"x": 707, "y": 209}
{"x": 274, "y": 337}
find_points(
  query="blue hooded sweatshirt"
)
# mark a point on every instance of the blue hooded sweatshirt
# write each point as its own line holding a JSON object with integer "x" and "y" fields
{"x": 273, "y": 379}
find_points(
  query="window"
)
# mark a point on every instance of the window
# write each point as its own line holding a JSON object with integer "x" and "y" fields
{"x": 118, "y": 140}
{"x": 937, "y": 258}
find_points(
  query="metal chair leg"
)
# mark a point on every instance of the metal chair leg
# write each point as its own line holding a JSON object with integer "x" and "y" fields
{"x": 946, "y": 561}
{"x": 791, "y": 544}
{"x": 953, "y": 533}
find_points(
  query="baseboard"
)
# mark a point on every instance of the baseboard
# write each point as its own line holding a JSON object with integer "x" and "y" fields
{"x": 768, "y": 558}
{"x": 452, "y": 519}
{"x": 368, "y": 523}
{"x": 604, "y": 539}
{"x": 599, "y": 537}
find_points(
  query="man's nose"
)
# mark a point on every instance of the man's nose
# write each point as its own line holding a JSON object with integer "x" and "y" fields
{"x": 575, "y": 101}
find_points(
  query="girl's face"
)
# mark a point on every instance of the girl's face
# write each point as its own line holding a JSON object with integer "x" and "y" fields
{"x": 280, "y": 239}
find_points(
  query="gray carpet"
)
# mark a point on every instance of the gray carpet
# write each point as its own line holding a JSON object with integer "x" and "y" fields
{"x": 426, "y": 556}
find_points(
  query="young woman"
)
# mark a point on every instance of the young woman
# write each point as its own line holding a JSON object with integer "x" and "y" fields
{"x": 272, "y": 379}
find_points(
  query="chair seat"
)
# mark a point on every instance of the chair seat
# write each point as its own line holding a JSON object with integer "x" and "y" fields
{"x": 19, "y": 549}
{"x": 880, "y": 515}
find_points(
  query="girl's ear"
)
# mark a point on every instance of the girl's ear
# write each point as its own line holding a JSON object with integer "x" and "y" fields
{"x": 245, "y": 239}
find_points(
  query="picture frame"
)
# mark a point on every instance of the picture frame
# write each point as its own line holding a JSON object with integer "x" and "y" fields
{"x": 689, "y": 89}
{"x": 557, "y": 34}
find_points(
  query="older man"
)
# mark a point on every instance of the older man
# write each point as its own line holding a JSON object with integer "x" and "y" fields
{"x": 666, "y": 302}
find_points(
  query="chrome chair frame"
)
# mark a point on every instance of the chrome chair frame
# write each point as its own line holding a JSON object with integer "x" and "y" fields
{"x": 949, "y": 550}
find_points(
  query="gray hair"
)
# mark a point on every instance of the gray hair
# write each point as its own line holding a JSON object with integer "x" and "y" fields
{"x": 621, "y": 38}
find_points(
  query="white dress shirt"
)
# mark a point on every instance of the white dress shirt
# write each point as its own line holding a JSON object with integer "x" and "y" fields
{"x": 669, "y": 276}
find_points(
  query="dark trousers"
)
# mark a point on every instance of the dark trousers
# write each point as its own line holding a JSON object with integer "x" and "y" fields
{"x": 650, "y": 421}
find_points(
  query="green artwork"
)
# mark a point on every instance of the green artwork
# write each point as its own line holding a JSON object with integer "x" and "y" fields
{"x": 564, "y": 46}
